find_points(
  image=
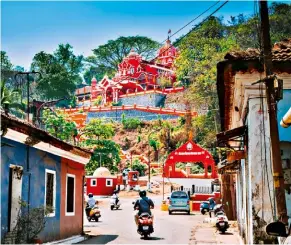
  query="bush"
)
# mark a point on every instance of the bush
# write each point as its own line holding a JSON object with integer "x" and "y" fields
{"x": 116, "y": 103}
{"x": 29, "y": 225}
{"x": 131, "y": 123}
{"x": 140, "y": 167}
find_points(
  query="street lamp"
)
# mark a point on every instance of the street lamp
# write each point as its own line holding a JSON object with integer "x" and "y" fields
{"x": 27, "y": 85}
{"x": 149, "y": 162}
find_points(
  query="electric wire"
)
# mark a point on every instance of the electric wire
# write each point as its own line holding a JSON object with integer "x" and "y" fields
{"x": 205, "y": 11}
{"x": 193, "y": 29}
{"x": 265, "y": 173}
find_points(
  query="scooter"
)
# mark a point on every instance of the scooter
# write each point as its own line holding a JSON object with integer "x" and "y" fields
{"x": 221, "y": 219}
{"x": 145, "y": 225}
{"x": 206, "y": 206}
{"x": 113, "y": 204}
{"x": 93, "y": 213}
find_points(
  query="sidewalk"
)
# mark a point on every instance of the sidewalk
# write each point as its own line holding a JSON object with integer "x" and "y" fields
{"x": 206, "y": 233}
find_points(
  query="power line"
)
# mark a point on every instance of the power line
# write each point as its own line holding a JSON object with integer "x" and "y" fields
{"x": 193, "y": 29}
{"x": 162, "y": 43}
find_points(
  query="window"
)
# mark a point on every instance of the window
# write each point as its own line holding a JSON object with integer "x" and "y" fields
{"x": 50, "y": 192}
{"x": 70, "y": 195}
{"x": 109, "y": 182}
{"x": 93, "y": 182}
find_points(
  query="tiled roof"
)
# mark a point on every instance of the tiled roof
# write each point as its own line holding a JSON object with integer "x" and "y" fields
{"x": 10, "y": 121}
{"x": 281, "y": 52}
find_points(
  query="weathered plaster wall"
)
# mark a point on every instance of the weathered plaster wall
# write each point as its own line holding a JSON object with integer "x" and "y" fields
{"x": 260, "y": 167}
{"x": 72, "y": 225}
{"x": 117, "y": 115}
{"x": 38, "y": 161}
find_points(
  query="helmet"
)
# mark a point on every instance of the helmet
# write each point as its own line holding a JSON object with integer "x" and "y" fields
{"x": 142, "y": 193}
{"x": 90, "y": 195}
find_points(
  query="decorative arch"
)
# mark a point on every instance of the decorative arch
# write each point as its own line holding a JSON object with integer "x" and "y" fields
{"x": 189, "y": 152}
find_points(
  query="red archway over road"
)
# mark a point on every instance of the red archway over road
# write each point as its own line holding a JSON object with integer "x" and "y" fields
{"x": 189, "y": 152}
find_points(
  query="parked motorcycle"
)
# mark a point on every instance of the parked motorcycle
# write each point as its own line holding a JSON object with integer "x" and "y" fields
{"x": 206, "y": 206}
{"x": 93, "y": 213}
{"x": 113, "y": 204}
{"x": 145, "y": 225}
{"x": 221, "y": 219}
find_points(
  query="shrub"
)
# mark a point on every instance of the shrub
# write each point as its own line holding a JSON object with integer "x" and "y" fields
{"x": 140, "y": 167}
{"x": 118, "y": 103}
{"x": 130, "y": 123}
{"x": 29, "y": 225}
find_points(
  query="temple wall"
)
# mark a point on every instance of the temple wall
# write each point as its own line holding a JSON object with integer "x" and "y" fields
{"x": 117, "y": 115}
{"x": 153, "y": 99}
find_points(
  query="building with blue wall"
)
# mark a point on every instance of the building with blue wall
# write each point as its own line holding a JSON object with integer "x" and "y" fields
{"x": 32, "y": 162}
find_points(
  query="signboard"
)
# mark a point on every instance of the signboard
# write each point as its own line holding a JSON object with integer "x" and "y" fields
{"x": 236, "y": 155}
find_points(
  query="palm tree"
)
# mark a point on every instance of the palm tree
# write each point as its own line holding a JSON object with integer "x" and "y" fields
{"x": 10, "y": 100}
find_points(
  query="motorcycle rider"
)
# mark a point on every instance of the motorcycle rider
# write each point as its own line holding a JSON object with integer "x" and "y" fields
{"x": 91, "y": 201}
{"x": 115, "y": 196}
{"x": 144, "y": 205}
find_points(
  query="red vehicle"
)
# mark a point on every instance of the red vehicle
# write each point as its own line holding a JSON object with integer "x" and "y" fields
{"x": 145, "y": 225}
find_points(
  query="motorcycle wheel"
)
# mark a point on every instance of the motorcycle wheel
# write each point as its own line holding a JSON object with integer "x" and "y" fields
{"x": 170, "y": 212}
{"x": 146, "y": 236}
{"x": 111, "y": 207}
{"x": 96, "y": 219}
{"x": 223, "y": 231}
{"x": 203, "y": 212}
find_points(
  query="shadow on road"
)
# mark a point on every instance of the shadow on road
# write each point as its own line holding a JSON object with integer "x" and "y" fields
{"x": 153, "y": 238}
{"x": 226, "y": 233}
{"x": 100, "y": 239}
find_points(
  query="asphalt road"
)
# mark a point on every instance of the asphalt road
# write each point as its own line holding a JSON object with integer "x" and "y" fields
{"x": 118, "y": 226}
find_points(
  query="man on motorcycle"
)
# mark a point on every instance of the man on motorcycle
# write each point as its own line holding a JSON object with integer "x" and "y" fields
{"x": 144, "y": 205}
{"x": 115, "y": 196}
{"x": 91, "y": 201}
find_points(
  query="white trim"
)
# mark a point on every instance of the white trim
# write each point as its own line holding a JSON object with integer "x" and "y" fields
{"x": 53, "y": 172}
{"x": 74, "y": 202}
{"x": 111, "y": 182}
{"x": 91, "y": 182}
{"x": 20, "y": 137}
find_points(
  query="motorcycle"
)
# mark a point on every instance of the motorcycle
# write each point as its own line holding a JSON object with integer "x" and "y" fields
{"x": 221, "y": 219}
{"x": 145, "y": 225}
{"x": 206, "y": 206}
{"x": 113, "y": 204}
{"x": 93, "y": 213}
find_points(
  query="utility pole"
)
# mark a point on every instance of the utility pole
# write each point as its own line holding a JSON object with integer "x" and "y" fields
{"x": 272, "y": 107}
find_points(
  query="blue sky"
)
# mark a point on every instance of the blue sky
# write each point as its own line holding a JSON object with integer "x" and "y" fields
{"x": 31, "y": 27}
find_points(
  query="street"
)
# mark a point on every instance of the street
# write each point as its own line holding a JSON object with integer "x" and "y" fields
{"x": 118, "y": 227}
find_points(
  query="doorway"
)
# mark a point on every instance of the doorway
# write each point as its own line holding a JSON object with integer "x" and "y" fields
{"x": 14, "y": 195}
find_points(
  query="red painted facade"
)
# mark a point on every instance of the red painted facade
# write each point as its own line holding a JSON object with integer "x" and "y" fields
{"x": 71, "y": 225}
{"x": 101, "y": 186}
{"x": 134, "y": 75}
{"x": 189, "y": 152}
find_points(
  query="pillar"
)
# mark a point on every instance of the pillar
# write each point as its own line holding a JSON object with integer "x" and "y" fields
{"x": 260, "y": 181}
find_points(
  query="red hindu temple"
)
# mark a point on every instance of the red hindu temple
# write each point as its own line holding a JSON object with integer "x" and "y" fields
{"x": 136, "y": 75}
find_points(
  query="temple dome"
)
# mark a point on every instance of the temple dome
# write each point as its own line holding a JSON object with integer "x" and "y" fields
{"x": 102, "y": 172}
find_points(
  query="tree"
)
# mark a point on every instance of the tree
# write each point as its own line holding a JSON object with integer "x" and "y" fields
{"x": 137, "y": 165}
{"x": 60, "y": 72}
{"x": 106, "y": 153}
{"x": 11, "y": 101}
{"x": 59, "y": 126}
{"x": 98, "y": 129}
{"x": 105, "y": 58}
